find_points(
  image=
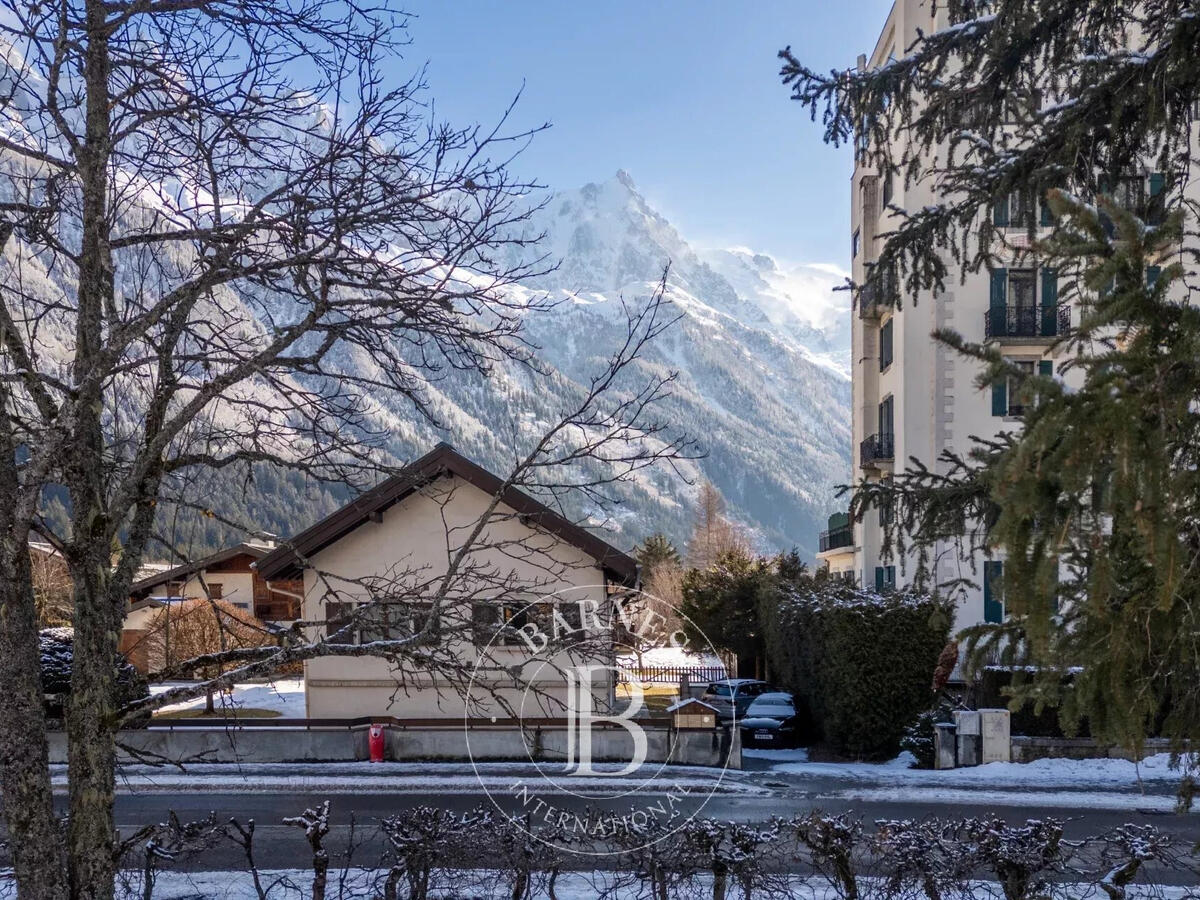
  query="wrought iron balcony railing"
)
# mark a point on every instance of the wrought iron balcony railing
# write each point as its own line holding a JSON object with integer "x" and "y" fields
{"x": 877, "y": 448}
{"x": 836, "y": 538}
{"x": 1027, "y": 322}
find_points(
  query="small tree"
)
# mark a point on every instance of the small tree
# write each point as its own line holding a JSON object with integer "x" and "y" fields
{"x": 720, "y": 604}
{"x": 713, "y": 533}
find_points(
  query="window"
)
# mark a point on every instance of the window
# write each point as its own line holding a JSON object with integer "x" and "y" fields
{"x": 885, "y": 511}
{"x": 1015, "y": 209}
{"x": 1022, "y": 288}
{"x": 885, "y": 578}
{"x": 215, "y": 590}
{"x": 1014, "y": 388}
{"x": 337, "y": 617}
{"x": 855, "y": 243}
{"x": 886, "y": 417}
{"x": 885, "y": 345}
{"x": 1020, "y": 209}
{"x": 1129, "y": 193}
{"x": 485, "y": 620}
{"x": 993, "y": 597}
{"x": 887, "y": 188}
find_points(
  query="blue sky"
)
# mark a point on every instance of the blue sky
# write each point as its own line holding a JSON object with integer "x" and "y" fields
{"x": 683, "y": 95}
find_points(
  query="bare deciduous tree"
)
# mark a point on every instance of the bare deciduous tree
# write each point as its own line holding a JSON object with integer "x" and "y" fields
{"x": 208, "y": 267}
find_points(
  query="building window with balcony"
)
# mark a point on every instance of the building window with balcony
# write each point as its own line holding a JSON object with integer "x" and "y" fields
{"x": 855, "y": 243}
{"x": 1024, "y": 304}
{"x": 885, "y": 345}
{"x": 880, "y": 446}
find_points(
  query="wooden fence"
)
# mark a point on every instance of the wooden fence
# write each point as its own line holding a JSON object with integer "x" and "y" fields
{"x": 697, "y": 675}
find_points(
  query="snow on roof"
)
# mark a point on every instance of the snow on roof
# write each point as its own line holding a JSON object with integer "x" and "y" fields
{"x": 691, "y": 701}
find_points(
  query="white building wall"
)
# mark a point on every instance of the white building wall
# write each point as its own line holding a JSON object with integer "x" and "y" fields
{"x": 937, "y": 405}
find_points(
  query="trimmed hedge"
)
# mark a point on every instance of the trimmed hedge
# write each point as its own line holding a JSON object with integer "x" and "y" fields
{"x": 57, "y": 647}
{"x": 862, "y": 662}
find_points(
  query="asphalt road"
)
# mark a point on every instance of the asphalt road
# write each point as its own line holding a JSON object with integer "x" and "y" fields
{"x": 285, "y": 846}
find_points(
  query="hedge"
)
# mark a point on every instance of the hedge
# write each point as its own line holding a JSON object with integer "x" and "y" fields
{"x": 862, "y": 662}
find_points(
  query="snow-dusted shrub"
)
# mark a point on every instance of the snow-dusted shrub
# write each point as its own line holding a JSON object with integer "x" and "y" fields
{"x": 916, "y": 859}
{"x": 1025, "y": 859}
{"x": 862, "y": 662}
{"x": 426, "y": 838}
{"x": 834, "y": 848}
{"x": 56, "y": 646}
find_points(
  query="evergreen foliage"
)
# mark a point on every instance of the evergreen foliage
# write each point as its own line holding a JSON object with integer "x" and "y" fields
{"x": 862, "y": 662}
{"x": 654, "y": 553}
{"x": 1094, "y": 505}
{"x": 720, "y": 603}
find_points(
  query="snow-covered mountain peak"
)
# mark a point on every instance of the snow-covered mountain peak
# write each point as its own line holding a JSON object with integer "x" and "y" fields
{"x": 610, "y": 240}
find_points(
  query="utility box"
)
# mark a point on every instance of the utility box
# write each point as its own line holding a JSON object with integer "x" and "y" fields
{"x": 945, "y": 745}
{"x": 995, "y": 735}
{"x": 968, "y": 724}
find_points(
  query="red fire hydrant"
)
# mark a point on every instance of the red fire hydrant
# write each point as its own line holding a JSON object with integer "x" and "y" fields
{"x": 375, "y": 743}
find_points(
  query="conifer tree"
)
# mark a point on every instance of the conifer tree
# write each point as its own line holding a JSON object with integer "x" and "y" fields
{"x": 1095, "y": 502}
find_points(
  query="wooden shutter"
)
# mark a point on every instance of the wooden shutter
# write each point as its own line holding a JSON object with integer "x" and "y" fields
{"x": 993, "y": 609}
{"x": 1155, "y": 209}
{"x": 1047, "y": 214}
{"x": 1049, "y": 302}
{"x": 1000, "y": 212}
{"x": 879, "y": 578}
{"x": 999, "y": 398}
{"x": 1045, "y": 367}
{"x": 999, "y": 302}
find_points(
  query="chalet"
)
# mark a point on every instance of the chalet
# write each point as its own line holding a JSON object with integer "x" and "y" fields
{"x": 411, "y": 525}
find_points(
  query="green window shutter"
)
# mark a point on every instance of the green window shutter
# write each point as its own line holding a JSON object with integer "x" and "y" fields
{"x": 1049, "y": 301}
{"x": 879, "y": 578}
{"x": 1045, "y": 367}
{"x": 1047, "y": 213}
{"x": 998, "y": 316}
{"x": 999, "y": 398}
{"x": 1152, "y": 273}
{"x": 1155, "y": 210}
{"x": 1000, "y": 212}
{"x": 993, "y": 609}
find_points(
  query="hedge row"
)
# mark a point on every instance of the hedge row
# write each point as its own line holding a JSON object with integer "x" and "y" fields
{"x": 862, "y": 662}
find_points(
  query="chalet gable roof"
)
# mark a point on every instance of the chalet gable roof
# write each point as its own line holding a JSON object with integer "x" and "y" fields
{"x": 186, "y": 570}
{"x": 285, "y": 561}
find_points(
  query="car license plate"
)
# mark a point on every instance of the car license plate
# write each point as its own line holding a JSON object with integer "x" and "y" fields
{"x": 763, "y": 735}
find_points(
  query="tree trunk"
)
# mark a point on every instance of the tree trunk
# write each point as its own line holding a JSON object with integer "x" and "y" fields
{"x": 92, "y": 736}
{"x": 98, "y": 615}
{"x": 33, "y": 828}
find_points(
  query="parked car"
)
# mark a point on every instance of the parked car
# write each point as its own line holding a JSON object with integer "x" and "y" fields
{"x": 731, "y": 697}
{"x": 770, "y": 721}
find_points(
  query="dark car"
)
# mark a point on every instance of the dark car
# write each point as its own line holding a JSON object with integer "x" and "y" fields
{"x": 731, "y": 697}
{"x": 770, "y": 721}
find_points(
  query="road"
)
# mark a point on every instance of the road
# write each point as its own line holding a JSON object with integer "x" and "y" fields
{"x": 285, "y": 846}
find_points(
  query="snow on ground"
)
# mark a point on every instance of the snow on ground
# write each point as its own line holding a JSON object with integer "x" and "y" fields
{"x": 1083, "y": 774}
{"x": 671, "y": 656}
{"x": 413, "y": 778}
{"x": 284, "y": 695}
{"x": 484, "y": 884}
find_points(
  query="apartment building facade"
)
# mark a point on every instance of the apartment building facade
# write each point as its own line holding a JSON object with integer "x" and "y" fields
{"x": 914, "y": 397}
